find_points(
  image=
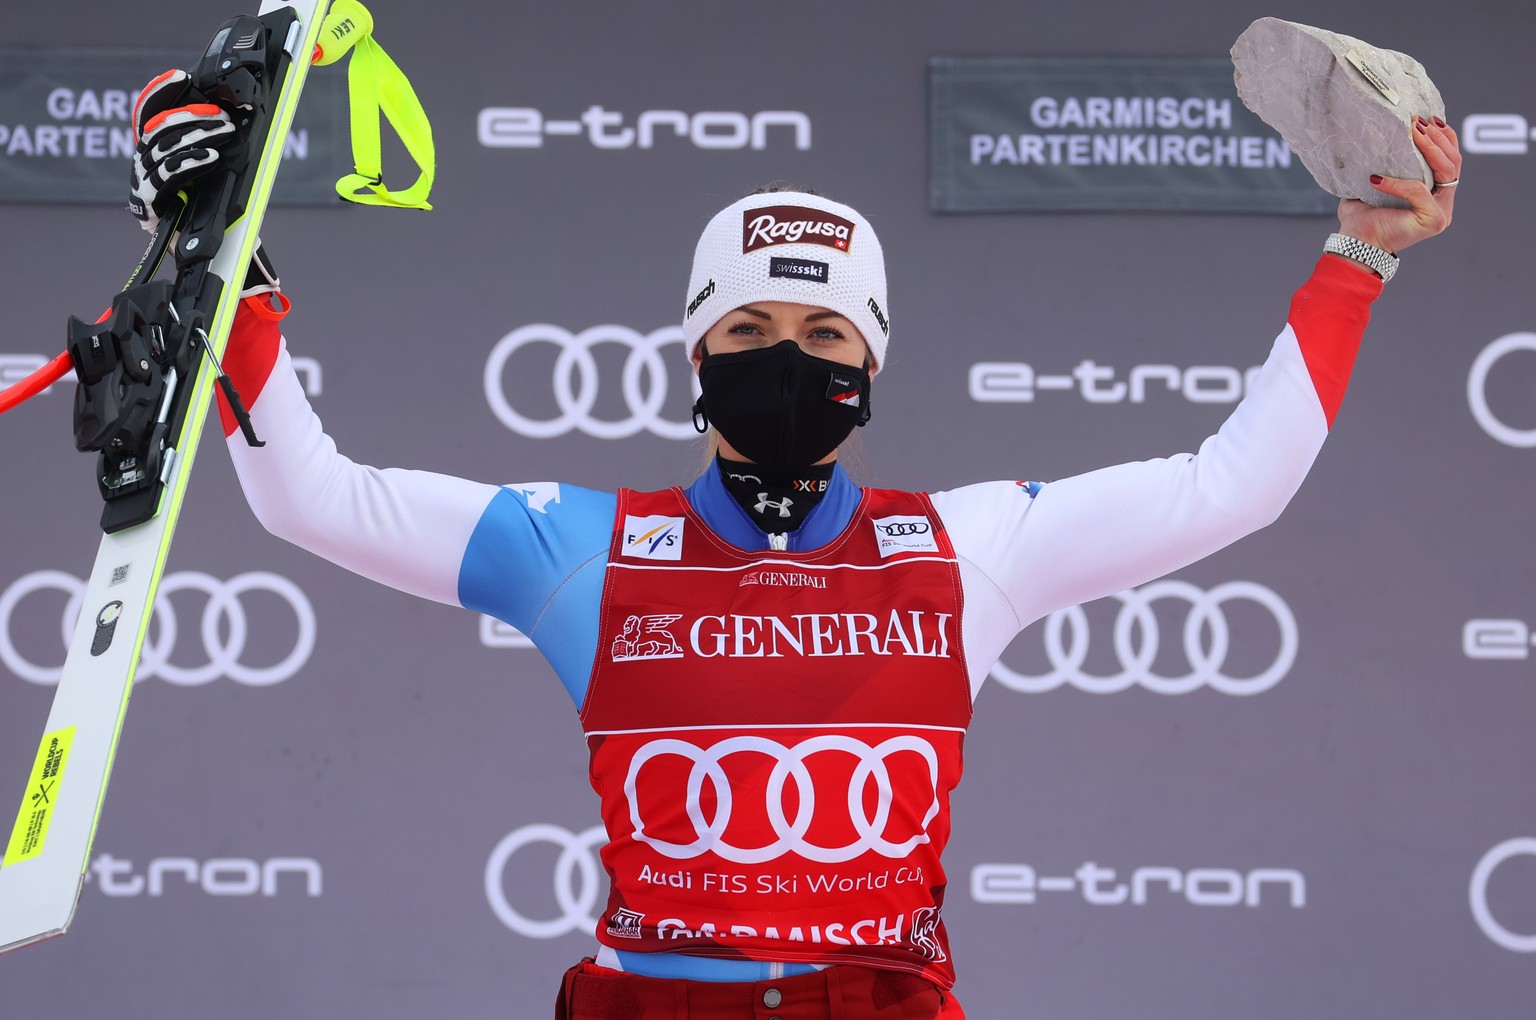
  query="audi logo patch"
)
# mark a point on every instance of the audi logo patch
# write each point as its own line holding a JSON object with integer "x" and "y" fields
{"x": 798, "y": 785}
{"x": 903, "y": 533}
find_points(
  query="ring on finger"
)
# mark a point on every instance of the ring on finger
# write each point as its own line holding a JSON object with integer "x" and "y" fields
{"x": 1448, "y": 184}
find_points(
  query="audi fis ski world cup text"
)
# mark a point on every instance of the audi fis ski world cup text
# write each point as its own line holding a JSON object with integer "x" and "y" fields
{"x": 577, "y": 890}
{"x": 521, "y": 127}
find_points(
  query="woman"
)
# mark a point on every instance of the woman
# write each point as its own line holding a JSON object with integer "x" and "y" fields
{"x": 774, "y": 668}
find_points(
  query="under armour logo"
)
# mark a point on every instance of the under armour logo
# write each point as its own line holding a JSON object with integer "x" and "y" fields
{"x": 782, "y": 506}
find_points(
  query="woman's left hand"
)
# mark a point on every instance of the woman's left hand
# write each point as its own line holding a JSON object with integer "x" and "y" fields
{"x": 1429, "y": 210}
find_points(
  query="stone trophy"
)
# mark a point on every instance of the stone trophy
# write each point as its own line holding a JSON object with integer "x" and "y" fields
{"x": 1344, "y": 106}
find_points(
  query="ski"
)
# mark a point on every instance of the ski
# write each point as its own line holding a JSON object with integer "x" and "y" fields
{"x": 163, "y": 340}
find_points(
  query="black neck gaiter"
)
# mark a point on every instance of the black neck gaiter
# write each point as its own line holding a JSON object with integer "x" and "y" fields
{"x": 778, "y": 502}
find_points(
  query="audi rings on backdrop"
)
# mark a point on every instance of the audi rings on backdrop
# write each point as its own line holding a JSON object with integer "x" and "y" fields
{"x": 224, "y": 608}
{"x": 1067, "y": 638}
{"x": 1477, "y": 893}
{"x": 578, "y": 880}
{"x": 645, "y": 381}
{"x": 1477, "y": 389}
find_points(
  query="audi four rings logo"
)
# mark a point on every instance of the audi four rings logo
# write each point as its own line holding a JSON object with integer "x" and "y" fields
{"x": 645, "y": 381}
{"x": 578, "y": 886}
{"x": 1477, "y": 389}
{"x": 709, "y": 834}
{"x": 223, "y": 628}
{"x": 1502, "y": 936}
{"x": 1207, "y": 639}
{"x": 910, "y": 528}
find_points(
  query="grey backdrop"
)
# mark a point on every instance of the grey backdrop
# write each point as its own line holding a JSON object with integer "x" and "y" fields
{"x": 1388, "y": 761}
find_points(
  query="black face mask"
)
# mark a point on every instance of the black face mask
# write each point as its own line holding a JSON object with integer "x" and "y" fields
{"x": 778, "y": 406}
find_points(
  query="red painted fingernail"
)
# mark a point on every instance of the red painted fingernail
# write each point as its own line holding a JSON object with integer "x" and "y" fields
{"x": 1377, "y": 178}
{"x": 1439, "y": 122}
{"x": 1421, "y": 125}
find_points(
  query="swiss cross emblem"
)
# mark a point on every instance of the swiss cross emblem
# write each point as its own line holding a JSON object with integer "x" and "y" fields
{"x": 841, "y": 243}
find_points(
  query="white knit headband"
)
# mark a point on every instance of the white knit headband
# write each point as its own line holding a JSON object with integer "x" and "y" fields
{"x": 789, "y": 246}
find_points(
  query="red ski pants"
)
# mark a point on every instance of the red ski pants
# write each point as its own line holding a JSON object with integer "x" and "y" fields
{"x": 590, "y": 992}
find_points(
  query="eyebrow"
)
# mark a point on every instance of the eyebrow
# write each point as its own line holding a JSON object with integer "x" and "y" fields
{"x": 814, "y": 317}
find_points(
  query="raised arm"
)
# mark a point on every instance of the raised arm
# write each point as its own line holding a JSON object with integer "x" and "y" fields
{"x": 1101, "y": 532}
{"x": 529, "y": 554}
{"x": 407, "y": 529}
{"x": 1098, "y": 533}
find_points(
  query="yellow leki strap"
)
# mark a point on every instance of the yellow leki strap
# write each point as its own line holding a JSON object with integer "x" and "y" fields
{"x": 376, "y": 86}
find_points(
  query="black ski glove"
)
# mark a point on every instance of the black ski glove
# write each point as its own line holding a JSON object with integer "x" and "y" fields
{"x": 181, "y": 137}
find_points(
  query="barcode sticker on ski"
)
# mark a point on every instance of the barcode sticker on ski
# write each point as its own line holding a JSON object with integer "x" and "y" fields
{"x": 42, "y": 789}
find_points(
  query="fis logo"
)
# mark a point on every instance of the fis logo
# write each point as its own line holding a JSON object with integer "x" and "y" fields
{"x": 653, "y": 538}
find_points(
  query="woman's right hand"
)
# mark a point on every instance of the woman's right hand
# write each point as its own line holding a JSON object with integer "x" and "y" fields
{"x": 180, "y": 137}
{"x": 1429, "y": 210}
